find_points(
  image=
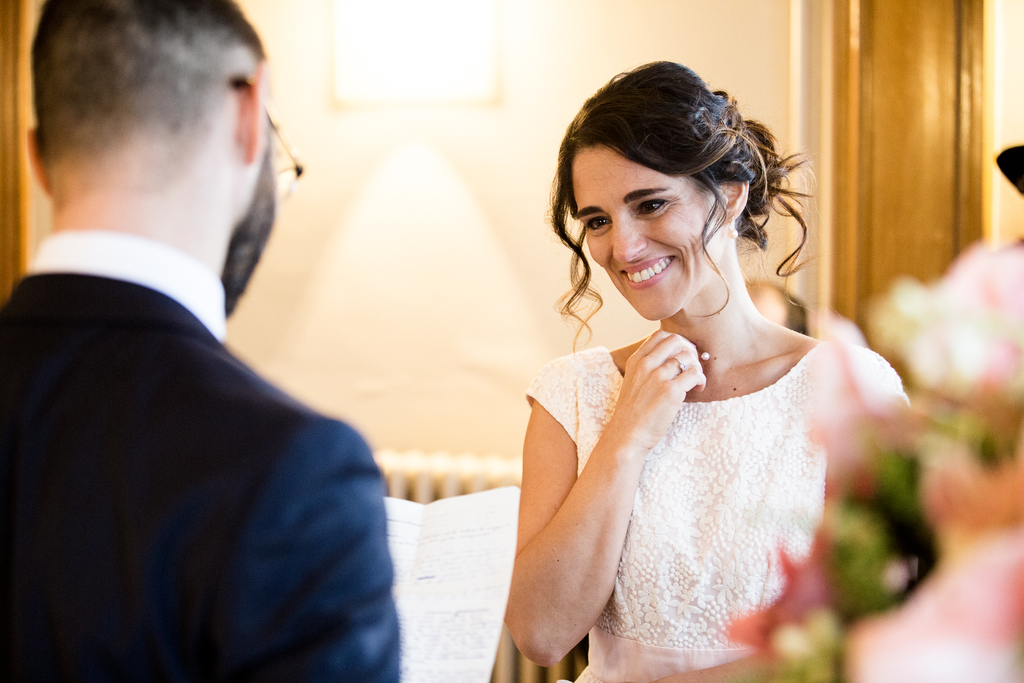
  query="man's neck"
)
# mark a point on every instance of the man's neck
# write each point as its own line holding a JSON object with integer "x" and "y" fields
{"x": 133, "y": 191}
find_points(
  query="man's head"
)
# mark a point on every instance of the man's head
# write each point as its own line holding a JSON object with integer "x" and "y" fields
{"x": 108, "y": 71}
{"x": 138, "y": 96}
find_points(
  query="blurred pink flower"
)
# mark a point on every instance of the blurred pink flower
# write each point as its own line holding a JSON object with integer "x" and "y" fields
{"x": 1004, "y": 362}
{"x": 988, "y": 279}
{"x": 959, "y": 356}
{"x": 806, "y": 589}
{"x": 966, "y": 623}
{"x": 961, "y": 494}
{"x": 850, "y": 407}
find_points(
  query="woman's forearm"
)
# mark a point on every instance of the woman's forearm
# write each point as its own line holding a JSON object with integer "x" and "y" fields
{"x": 572, "y": 530}
{"x": 565, "y": 574}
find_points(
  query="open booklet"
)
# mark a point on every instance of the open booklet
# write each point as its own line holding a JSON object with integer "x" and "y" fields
{"x": 453, "y": 570}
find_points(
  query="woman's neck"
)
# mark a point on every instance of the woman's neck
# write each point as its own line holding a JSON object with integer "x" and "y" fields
{"x": 733, "y": 335}
{"x": 723, "y": 321}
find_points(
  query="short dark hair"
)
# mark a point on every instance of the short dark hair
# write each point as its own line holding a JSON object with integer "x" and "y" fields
{"x": 104, "y": 70}
{"x": 663, "y": 116}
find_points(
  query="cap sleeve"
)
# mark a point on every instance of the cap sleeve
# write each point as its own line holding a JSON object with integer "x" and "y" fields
{"x": 555, "y": 389}
{"x": 876, "y": 369}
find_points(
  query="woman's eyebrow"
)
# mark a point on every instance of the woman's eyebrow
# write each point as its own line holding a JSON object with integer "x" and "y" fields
{"x": 639, "y": 194}
{"x": 631, "y": 197}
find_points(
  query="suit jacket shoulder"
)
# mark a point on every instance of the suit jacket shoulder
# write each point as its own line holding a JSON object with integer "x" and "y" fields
{"x": 214, "y": 524}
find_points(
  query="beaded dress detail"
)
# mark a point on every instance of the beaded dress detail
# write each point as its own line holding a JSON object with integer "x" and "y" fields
{"x": 731, "y": 484}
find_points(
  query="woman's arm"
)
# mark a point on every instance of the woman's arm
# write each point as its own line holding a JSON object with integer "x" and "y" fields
{"x": 570, "y": 538}
{"x": 571, "y": 530}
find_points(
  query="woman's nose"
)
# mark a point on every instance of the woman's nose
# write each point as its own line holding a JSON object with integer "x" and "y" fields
{"x": 627, "y": 242}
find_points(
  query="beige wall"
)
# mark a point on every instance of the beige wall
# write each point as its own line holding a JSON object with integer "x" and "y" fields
{"x": 410, "y": 284}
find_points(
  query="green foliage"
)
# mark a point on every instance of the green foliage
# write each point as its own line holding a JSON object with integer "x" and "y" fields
{"x": 811, "y": 652}
{"x": 824, "y": 667}
{"x": 897, "y": 501}
{"x": 862, "y": 550}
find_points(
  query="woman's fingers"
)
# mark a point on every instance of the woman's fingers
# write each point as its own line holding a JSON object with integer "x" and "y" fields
{"x": 693, "y": 376}
{"x": 686, "y": 371}
{"x": 658, "y": 376}
{"x": 660, "y": 346}
{"x": 671, "y": 357}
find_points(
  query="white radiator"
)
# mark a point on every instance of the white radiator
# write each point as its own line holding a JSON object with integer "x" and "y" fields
{"x": 426, "y": 477}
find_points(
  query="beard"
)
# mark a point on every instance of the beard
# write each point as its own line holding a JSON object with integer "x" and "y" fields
{"x": 250, "y": 235}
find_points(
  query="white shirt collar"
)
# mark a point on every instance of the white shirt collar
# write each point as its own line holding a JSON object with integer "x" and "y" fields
{"x": 141, "y": 261}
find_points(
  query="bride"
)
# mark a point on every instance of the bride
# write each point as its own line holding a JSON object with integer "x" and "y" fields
{"x": 660, "y": 480}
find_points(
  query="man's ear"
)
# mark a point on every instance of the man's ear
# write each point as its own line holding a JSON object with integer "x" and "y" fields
{"x": 735, "y": 199}
{"x": 251, "y": 126}
{"x": 36, "y": 162}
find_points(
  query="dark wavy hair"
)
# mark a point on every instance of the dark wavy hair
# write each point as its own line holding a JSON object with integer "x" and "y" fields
{"x": 663, "y": 116}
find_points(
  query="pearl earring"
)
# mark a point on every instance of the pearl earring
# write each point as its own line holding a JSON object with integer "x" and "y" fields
{"x": 733, "y": 232}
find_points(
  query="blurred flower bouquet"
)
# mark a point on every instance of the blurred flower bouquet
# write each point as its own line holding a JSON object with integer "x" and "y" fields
{"x": 917, "y": 572}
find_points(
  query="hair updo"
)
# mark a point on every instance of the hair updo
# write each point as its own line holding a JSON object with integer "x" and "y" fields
{"x": 663, "y": 116}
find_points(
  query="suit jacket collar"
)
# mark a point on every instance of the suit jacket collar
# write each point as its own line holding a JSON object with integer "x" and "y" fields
{"x": 88, "y": 299}
{"x": 138, "y": 259}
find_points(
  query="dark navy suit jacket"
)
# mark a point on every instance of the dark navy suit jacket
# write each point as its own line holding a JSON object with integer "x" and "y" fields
{"x": 166, "y": 515}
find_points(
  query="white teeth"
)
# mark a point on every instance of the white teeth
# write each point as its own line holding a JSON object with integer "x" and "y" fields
{"x": 648, "y": 273}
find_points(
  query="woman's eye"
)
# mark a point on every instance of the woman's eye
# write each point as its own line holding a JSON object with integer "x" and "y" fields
{"x": 651, "y": 205}
{"x": 597, "y": 222}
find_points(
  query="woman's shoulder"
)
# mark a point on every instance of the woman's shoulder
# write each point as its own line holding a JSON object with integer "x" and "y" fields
{"x": 573, "y": 385}
{"x": 867, "y": 367}
{"x": 620, "y": 356}
{"x": 795, "y": 350}
{"x": 588, "y": 363}
{"x": 874, "y": 366}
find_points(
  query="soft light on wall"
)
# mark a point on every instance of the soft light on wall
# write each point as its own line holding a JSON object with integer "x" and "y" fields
{"x": 415, "y": 325}
{"x": 405, "y": 51}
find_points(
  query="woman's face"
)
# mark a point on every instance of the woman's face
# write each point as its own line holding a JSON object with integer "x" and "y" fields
{"x": 645, "y": 229}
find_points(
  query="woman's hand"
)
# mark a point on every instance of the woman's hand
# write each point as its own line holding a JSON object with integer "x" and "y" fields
{"x": 658, "y": 376}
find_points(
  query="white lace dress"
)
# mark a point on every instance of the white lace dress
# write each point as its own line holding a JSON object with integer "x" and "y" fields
{"x": 732, "y": 482}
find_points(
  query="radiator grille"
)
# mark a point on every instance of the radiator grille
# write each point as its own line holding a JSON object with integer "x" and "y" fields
{"x": 426, "y": 477}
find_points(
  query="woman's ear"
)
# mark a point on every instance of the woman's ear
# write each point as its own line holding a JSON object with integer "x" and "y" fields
{"x": 735, "y": 198}
{"x": 36, "y": 162}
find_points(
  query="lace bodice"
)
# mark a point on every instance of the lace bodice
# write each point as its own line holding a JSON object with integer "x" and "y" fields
{"x": 732, "y": 482}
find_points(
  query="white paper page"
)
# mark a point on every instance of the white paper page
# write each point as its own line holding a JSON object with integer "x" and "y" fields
{"x": 404, "y": 520}
{"x": 451, "y": 602}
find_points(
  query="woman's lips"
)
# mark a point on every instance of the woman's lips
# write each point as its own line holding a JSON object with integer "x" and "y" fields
{"x": 649, "y": 272}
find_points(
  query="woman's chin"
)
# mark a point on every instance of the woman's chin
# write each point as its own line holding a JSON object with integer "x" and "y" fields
{"x": 654, "y": 313}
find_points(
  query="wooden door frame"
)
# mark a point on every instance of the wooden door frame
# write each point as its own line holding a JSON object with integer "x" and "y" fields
{"x": 16, "y": 25}
{"x": 853, "y": 55}
{"x": 973, "y": 162}
{"x": 847, "y": 247}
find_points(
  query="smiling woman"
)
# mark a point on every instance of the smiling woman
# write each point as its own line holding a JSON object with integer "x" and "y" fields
{"x": 664, "y": 118}
{"x": 661, "y": 479}
{"x": 619, "y": 220}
